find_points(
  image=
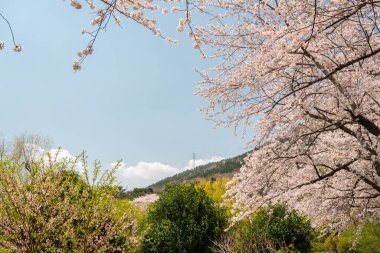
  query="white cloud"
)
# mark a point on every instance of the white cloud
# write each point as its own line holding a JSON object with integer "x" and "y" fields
{"x": 195, "y": 163}
{"x": 145, "y": 173}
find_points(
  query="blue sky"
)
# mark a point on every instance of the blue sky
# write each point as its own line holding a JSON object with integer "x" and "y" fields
{"x": 132, "y": 100}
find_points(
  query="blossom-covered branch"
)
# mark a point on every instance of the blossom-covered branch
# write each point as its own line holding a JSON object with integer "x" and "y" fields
{"x": 107, "y": 10}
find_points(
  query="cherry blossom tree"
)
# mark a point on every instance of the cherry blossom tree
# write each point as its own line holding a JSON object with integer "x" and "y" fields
{"x": 306, "y": 73}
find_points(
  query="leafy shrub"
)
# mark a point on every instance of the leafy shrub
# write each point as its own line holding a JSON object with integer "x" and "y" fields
{"x": 52, "y": 208}
{"x": 362, "y": 238}
{"x": 280, "y": 226}
{"x": 324, "y": 240}
{"x": 271, "y": 229}
{"x": 365, "y": 240}
{"x": 184, "y": 219}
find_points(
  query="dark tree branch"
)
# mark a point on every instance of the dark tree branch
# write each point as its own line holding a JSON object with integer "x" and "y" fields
{"x": 10, "y": 28}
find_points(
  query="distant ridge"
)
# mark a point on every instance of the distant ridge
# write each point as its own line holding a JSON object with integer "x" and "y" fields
{"x": 223, "y": 168}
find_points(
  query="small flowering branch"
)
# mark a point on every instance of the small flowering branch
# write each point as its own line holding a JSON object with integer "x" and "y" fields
{"x": 133, "y": 10}
{"x": 17, "y": 47}
{"x": 102, "y": 20}
{"x": 192, "y": 34}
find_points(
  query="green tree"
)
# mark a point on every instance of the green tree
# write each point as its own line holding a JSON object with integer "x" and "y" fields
{"x": 184, "y": 219}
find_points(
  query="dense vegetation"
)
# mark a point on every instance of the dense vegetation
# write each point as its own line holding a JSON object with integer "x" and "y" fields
{"x": 50, "y": 204}
{"x": 184, "y": 219}
{"x": 54, "y": 208}
{"x": 274, "y": 227}
{"x": 360, "y": 238}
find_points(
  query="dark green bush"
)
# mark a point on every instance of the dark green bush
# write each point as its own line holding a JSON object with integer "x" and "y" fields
{"x": 184, "y": 219}
{"x": 275, "y": 226}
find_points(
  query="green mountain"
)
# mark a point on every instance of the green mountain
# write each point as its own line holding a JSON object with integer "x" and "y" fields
{"x": 223, "y": 168}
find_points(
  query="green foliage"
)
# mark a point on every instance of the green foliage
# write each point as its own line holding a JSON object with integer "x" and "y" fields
{"x": 355, "y": 239}
{"x": 323, "y": 241}
{"x": 215, "y": 188}
{"x": 276, "y": 227}
{"x": 124, "y": 205}
{"x": 184, "y": 219}
{"x": 367, "y": 239}
{"x": 53, "y": 208}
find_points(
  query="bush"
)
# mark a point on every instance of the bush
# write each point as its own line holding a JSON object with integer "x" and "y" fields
{"x": 184, "y": 219}
{"x": 324, "y": 240}
{"x": 271, "y": 229}
{"x": 367, "y": 240}
{"x": 52, "y": 208}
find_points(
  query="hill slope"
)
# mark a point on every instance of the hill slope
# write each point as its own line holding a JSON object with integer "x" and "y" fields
{"x": 226, "y": 167}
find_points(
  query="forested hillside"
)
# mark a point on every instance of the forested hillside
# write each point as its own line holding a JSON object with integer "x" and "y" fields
{"x": 222, "y": 168}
